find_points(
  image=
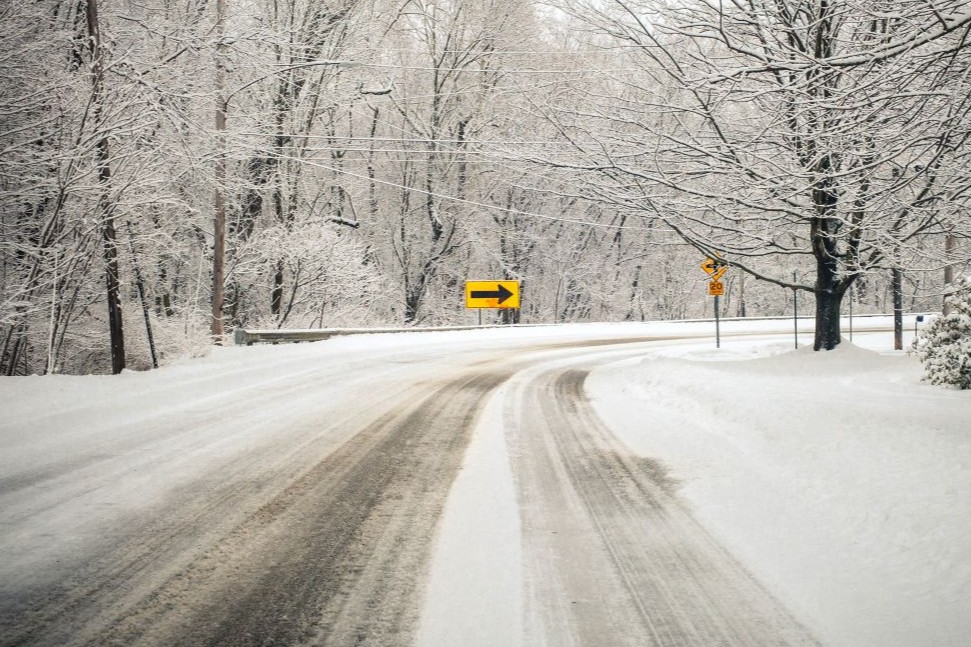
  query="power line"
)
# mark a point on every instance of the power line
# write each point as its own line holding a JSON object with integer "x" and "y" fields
{"x": 482, "y": 205}
{"x": 500, "y": 70}
{"x": 409, "y": 140}
{"x": 509, "y": 52}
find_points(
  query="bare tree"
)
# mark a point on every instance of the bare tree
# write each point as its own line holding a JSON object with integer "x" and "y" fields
{"x": 824, "y": 135}
{"x": 451, "y": 64}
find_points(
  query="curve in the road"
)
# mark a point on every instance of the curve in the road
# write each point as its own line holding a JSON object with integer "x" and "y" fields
{"x": 334, "y": 549}
{"x": 336, "y": 558}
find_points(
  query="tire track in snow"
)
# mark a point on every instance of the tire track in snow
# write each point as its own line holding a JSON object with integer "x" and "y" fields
{"x": 337, "y": 557}
{"x": 611, "y": 556}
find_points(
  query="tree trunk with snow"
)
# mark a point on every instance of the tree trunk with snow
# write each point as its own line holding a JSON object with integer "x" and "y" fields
{"x": 105, "y": 208}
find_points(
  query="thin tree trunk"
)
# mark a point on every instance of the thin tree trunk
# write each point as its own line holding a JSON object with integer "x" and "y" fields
{"x": 898, "y": 309}
{"x": 276, "y": 295}
{"x": 950, "y": 246}
{"x": 52, "y": 334}
{"x": 741, "y": 295}
{"x": 140, "y": 286}
{"x": 372, "y": 186}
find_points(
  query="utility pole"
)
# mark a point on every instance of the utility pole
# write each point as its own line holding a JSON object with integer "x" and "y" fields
{"x": 219, "y": 208}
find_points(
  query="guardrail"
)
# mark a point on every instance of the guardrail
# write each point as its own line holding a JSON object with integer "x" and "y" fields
{"x": 243, "y": 337}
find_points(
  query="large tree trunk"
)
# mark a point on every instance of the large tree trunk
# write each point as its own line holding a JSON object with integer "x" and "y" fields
{"x": 412, "y": 305}
{"x": 827, "y": 319}
{"x": 822, "y": 235}
{"x": 829, "y": 292}
{"x": 115, "y": 328}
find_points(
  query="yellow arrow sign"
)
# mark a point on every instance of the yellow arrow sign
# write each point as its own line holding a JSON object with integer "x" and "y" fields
{"x": 492, "y": 294}
{"x": 709, "y": 265}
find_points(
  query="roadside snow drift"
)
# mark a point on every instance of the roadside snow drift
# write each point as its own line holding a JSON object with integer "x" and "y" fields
{"x": 838, "y": 478}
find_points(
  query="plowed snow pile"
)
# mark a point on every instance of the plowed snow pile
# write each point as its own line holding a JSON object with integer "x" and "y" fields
{"x": 838, "y": 478}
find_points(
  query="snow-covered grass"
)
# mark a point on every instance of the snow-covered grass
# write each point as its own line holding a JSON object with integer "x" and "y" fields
{"x": 839, "y": 479}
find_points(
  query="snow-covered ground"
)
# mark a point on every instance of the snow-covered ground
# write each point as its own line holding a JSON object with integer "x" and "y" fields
{"x": 839, "y": 479}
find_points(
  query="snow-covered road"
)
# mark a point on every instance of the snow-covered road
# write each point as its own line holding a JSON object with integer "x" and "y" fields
{"x": 431, "y": 489}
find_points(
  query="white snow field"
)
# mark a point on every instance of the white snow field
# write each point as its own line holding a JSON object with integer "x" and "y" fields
{"x": 839, "y": 480}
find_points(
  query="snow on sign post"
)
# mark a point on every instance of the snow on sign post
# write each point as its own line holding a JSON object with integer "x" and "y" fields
{"x": 715, "y": 268}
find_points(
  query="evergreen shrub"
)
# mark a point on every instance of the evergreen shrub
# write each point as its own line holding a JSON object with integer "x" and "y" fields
{"x": 944, "y": 346}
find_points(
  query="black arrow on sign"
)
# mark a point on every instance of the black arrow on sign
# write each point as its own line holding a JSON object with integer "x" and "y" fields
{"x": 501, "y": 293}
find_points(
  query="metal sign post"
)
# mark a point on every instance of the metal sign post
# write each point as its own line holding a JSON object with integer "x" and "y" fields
{"x": 718, "y": 335}
{"x": 716, "y": 269}
{"x": 716, "y": 289}
{"x": 795, "y": 312}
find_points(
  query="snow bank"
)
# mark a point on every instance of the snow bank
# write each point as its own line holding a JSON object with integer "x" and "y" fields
{"x": 838, "y": 478}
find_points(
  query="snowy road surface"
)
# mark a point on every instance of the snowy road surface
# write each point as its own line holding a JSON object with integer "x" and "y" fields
{"x": 445, "y": 489}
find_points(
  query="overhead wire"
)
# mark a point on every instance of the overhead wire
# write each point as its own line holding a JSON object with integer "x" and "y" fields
{"x": 465, "y": 201}
{"x": 409, "y": 140}
{"x": 502, "y": 70}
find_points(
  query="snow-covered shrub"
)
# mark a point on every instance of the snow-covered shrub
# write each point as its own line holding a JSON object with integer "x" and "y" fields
{"x": 944, "y": 347}
{"x": 328, "y": 279}
{"x": 184, "y": 334}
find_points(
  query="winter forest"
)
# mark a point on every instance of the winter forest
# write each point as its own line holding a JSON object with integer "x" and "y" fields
{"x": 173, "y": 169}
